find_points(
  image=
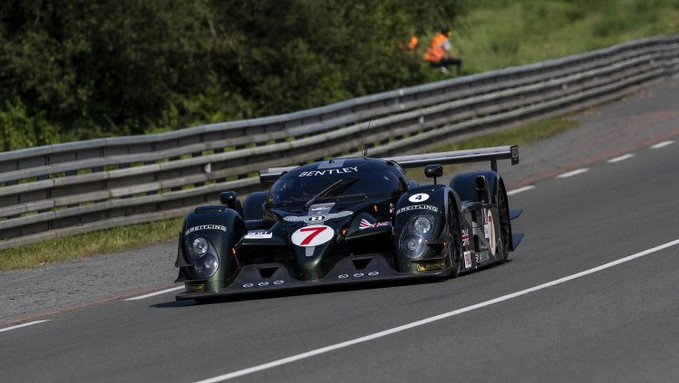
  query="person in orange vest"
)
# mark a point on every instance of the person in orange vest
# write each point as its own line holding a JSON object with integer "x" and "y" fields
{"x": 439, "y": 53}
{"x": 411, "y": 43}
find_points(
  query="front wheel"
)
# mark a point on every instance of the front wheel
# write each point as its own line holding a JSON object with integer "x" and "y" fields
{"x": 454, "y": 242}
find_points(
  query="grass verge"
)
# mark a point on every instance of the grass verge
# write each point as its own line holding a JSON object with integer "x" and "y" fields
{"x": 85, "y": 245}
{"x": 497, "y": 34}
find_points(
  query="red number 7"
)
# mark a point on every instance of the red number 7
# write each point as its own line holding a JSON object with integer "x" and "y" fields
{"x": 314, "y": 232}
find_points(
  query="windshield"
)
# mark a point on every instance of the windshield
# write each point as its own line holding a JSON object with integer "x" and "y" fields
{"x": 292, "y": 189}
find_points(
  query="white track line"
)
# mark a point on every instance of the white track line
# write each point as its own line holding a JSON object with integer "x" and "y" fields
{"x": 519, "y": 190}
{"x": 439, "y": 317}
{"x": 662, "y": 144}
{"x": 621, "y": 158}
{"x": 149, "y": 295}
{"x": 23, "y": 325}
{"x": 573, "y": 173}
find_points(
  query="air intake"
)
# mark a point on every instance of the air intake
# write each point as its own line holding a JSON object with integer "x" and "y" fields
{"x": 361, "y": 263}
{"x": 267, "y": 272}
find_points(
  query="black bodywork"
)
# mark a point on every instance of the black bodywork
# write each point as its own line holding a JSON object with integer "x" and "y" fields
{"x": 349, "y": 220}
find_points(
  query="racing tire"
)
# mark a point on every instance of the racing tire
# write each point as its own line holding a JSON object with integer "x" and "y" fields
{"x": 454, "y": 242}
{"x": 505, "y": 228}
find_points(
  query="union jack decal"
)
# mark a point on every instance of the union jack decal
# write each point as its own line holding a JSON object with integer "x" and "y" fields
{"x": 365, "y": 224}
{"x": 465, "y": 237}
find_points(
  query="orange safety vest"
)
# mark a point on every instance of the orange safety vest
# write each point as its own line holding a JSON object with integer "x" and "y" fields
{"x": 435, "y": 52}
{"x": 412, "y": 43}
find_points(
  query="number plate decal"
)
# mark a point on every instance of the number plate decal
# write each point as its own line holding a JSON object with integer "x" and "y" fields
{"x": 419, "y": 197}
{"x": 313, "y": 235}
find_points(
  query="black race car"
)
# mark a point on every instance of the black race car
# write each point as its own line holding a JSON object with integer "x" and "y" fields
{"x": 349, "y": 220}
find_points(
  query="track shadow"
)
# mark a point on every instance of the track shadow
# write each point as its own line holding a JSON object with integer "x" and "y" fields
{"x": 307, "y": 290}
{"x": 173, "y": 304}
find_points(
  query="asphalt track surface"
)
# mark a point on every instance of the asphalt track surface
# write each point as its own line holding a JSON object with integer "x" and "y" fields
{"x": 592, "y": 294}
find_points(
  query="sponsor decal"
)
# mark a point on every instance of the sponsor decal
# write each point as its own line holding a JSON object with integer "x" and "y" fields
{"x": 277, "y": 282}
{"x": 482, "y": 256}
{"x": 205, "y": 227}
{"x": 467, "y": 259}
{"x": 313, "y": 235}
{"x": 321, "y": 208}
{"x": 317, "y": 218}
{"x": 194, "y": 287}
{"x": 359, "y": 275}
{"x": 418, "y": 198}
{"x": 465, "y": 237}
{"x": 417, "y": 207}
{"x": 328, "y": 172}
{"x": 258, "y": 234}
{"x": 313, "y": 219}
{"x": 489, "y": 229}
{"x": 365, "y": 224}
{"x": 430, "y": 266}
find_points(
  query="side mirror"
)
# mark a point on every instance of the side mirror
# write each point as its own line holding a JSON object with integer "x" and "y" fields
{"x": 228, "y": 198}
{"x": 433, "y": 171}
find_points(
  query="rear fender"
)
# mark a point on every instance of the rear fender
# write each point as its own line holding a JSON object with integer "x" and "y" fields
{"x": 466, "y": 185}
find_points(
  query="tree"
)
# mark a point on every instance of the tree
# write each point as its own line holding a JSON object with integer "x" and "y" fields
{"x": 81, "y": 69}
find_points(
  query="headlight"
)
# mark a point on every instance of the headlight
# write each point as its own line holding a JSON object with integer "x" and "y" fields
{"x": 198, "y": 248}
{"x": 413, "y": 246}
{"x": 416, "y": 235}
{"x": 202, "y": 257}
{"x": 206, "y": 266}
{"x": 422, "y": 224}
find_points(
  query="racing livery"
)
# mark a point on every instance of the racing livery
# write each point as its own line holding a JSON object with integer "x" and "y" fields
{"x": 349, "y": 220}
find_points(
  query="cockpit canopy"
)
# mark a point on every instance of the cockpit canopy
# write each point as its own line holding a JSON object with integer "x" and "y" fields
{"x": 353, "y": 179}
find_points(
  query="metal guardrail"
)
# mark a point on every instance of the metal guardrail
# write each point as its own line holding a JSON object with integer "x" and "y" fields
{"x": 78, "y": 187}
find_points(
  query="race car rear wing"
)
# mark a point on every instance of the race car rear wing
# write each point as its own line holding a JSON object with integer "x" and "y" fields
{"x": 461, "y": 156}
{"x": 420, "y": 160}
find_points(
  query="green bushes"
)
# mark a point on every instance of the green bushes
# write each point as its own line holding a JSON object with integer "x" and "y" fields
{"x": 19, "y": 130}
{"x": 86, "y": 69}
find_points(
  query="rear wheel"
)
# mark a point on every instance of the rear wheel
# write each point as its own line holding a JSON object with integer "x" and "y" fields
{"x": 505, "y": 228}
{"x": 454, "y": 241}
